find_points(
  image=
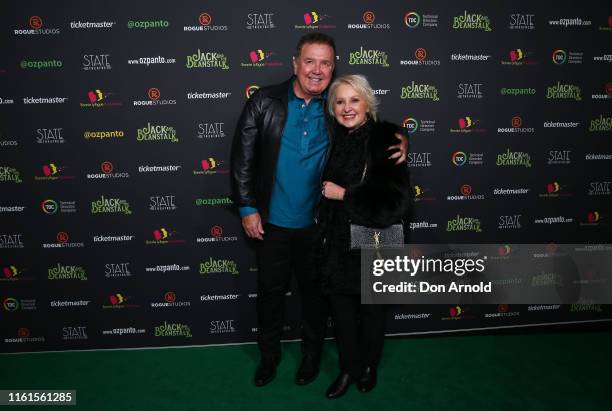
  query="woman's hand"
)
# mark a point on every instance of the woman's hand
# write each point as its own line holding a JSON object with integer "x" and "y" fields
{"x": 402, "y": 149}
{"x": 332, "y": 191}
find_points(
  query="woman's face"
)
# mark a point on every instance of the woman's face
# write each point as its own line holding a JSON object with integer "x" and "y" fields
{"x": 350, "y": 108}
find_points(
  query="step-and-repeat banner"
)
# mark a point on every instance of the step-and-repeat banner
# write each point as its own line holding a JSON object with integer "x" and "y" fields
{"x": 116, "y": 224}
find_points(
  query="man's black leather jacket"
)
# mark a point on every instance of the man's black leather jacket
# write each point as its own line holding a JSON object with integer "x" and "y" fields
{"x": 256, "y": 146}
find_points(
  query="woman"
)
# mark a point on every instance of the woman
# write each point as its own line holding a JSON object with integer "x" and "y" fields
{"x": 376, "y": 195}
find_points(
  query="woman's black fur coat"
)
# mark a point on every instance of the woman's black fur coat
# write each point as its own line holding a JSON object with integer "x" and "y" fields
{"x": 383, "y": 198}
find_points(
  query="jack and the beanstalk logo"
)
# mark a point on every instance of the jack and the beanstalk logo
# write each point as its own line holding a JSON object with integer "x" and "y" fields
{"x": 420, "y": 91}
{"x": 514, "y": 158}
{"x": 463, "y": 224}
{"x": 371, "y": 57}
{"x": 597, "y": 124}
{"x": 67, "y": 272}
{"x": 10, "y": 175}
{"x": 173, "y": 330}
{"x": 564, "y": 92}
{"x": 219, "y": 266}
{"x": 156, "y": 133}
{"x": 110, "y": 206}
{"x": 472, "y": 21}
{"x": 210, "y": 59}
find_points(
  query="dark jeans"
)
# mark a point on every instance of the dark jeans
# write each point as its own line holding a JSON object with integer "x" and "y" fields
{"x": 360, "y": 333}
{"x": 284, "y": 251}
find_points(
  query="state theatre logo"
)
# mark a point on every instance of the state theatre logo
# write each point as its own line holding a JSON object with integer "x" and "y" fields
{"x": 96, "y": 62}
{"x": 260, "y": 21}
{"x": 50, "y": 135}
{"x": 519, "y": 21}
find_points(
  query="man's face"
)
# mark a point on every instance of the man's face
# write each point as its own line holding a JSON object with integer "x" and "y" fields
{"x": 313, "y": 68}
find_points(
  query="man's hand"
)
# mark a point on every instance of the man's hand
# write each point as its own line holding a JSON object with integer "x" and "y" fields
{"x": 332, "y": 191}
{"x": 252, "y": 226}
{"x": 402, "y": 148}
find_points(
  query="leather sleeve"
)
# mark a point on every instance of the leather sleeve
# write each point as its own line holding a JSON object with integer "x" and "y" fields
{"x": 243, "y": 155}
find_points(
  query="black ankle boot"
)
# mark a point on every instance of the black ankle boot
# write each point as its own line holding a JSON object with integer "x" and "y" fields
{"x": 367, "y": 380}
{"x": 340, "y": 386}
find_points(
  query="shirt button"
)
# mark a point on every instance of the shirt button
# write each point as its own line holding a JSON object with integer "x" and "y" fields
{"x": 305, "y": 120}
{"x": 305, "y": 132}
{"x": 303, "y": 105}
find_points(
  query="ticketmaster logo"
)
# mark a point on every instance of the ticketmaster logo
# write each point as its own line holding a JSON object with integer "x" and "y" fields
{"x": 224, "y": 297}
{"x": 421, "y": 316}
{"x": 194, "y": 95}
{"x": 158, "y": 169}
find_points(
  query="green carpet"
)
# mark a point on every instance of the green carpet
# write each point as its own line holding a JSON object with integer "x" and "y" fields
{"x": 553, "y": 371}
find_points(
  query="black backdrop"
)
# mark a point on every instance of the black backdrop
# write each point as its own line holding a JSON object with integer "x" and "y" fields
{"x": 116, "y": 228}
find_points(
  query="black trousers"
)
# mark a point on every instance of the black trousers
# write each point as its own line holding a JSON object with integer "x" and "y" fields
{"x": 284, "y": 251}
{"x": 360, "y": 333}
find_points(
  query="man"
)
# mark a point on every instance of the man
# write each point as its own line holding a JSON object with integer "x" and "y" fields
{"x": 278, "y": 154}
